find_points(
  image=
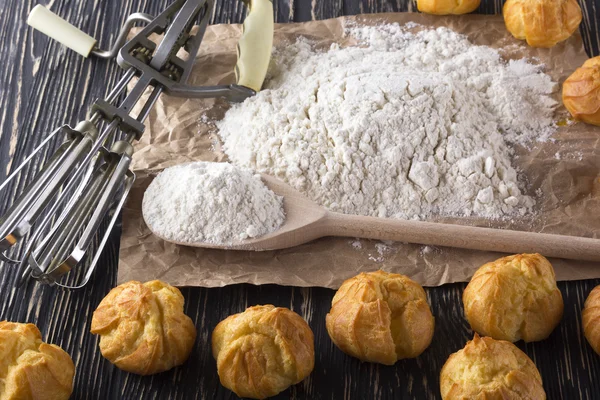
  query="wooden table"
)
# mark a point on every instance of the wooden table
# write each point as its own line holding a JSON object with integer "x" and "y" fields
{"x": 43, "y": 85}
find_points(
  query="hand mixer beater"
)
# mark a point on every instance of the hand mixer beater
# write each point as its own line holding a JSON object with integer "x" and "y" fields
{"x": 85, "y": 182}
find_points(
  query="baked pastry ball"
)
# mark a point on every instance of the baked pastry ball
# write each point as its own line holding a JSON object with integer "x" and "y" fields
{"x": 380, "y": 317}
{"x": 591, "y": 319}
{"x": 514, "y": 298}
{"x": 490, "y": 369}
{"x": 445, "y": 7}
{"x": 263, "y": 351}
{"x": 142, "y": 327}
{"x": 31, "y": 369}
{"x": 542, "y": 23}
{"x": 581, "y": 92}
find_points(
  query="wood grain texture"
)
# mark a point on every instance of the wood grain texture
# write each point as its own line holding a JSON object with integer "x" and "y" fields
{"x": 42, "y": 86}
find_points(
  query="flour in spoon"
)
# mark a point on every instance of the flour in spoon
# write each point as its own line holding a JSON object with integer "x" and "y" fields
{"x": 211, "y": 202}
{"x": 403, "y": 125}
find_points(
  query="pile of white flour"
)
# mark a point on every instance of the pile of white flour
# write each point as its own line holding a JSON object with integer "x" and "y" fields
{"x": 210, "y": 202}
{"x": 405, "y": 125}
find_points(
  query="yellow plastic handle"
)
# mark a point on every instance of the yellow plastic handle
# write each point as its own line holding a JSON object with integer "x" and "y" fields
{"x": 254, "y": 47}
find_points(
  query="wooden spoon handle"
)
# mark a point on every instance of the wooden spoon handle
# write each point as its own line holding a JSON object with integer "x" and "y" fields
{"x": 461, "y": 236}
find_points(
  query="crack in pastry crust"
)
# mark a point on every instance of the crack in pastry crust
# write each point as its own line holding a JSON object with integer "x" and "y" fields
{"x": 380, "y": 317}
{"x": 31, "y": 369}
{"x": 591, "y": 319}
{"x": 581, "y": 92}
{"x": 542, "y": 23}
{"x": 263, "y": 351}
{"x": 142, "y": 327}
{"x": 490, "y": 369}
{"x": 514, "y": 298}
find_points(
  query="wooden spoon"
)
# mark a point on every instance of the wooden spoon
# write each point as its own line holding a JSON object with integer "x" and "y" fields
{"x": 306, "y": 221}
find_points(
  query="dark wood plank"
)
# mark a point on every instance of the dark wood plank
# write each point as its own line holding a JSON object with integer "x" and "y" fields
{"x": 43, "y": 85}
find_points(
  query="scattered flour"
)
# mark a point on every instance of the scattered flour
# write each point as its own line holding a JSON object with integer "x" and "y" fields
{"x": 383, "y": 248}
{"x": 404, "y": 125}
{"x": 356, "y": 244}
{"x": 427, "y": 250}
{"x": 211, "y": 202}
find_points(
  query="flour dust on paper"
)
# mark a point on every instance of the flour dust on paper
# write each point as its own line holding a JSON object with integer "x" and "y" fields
{"x": 403, "y": 125}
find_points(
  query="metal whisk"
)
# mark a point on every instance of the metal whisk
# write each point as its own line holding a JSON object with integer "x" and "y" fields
{"x": 87, "y": 179}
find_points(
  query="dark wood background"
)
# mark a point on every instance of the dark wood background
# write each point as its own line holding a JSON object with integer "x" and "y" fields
{"x": 42, "y": 85}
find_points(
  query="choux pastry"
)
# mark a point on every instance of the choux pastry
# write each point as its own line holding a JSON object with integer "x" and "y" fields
{"x": 581, "y": 92}
{"x": 591, "y": 319}
{"x": 31, "y": 369}
{"x": 445, "y": 7}
{"x": 380, "y": 317}
{"x": 542, "y": 23}
{"x": 514, "y": 298}
{"x": 142, "y": 327}
{"x": 262, "y": 351}
{"x": 490, "y": 369}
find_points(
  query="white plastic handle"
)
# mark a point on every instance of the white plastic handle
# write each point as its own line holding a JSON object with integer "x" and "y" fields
{"x": 52, "y": 25}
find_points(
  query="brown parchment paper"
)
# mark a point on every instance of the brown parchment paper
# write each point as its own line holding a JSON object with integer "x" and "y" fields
{"x": 565, "y": 170}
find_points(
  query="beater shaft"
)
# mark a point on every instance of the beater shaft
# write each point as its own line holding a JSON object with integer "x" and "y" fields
{"x": 64, "y": 206}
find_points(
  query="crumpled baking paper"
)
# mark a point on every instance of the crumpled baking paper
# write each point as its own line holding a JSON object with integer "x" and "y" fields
{"x": 565, "y": 169}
